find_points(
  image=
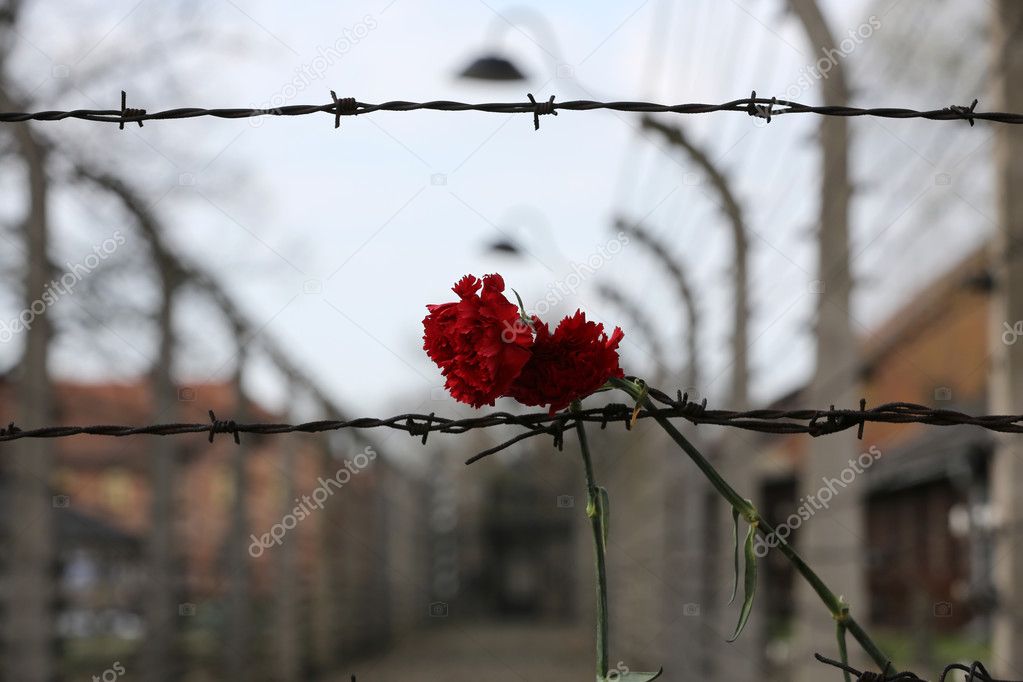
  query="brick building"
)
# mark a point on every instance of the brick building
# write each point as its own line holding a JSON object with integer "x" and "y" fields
{"x": 924, "y": 491}
{"x": 924, "y": 496}
{"x": 359, "y": 536}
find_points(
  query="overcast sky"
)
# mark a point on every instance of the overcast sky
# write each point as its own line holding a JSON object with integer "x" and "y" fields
{"x": 335, "y": 240}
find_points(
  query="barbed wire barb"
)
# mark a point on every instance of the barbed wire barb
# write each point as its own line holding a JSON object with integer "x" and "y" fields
{"x": 760, "y": 110}
{"x": 223, "y": 426}
{"x": 346, "y": 106}
{"x": 129, "y": 114}
{"x": 541, "y": 109}
{"x": 966, "y": 112}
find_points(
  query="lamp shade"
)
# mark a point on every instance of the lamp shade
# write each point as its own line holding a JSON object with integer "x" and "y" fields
{"x": 505, "y": 246}
{"x": 492, "y": 67}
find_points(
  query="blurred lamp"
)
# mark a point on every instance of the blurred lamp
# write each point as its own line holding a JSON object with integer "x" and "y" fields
{"x": 982, "y": 281}
{"x": 505, "y": 246}
{"x": 492, "y": 67}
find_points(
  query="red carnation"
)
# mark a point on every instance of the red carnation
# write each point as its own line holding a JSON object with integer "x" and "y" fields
{"x": 480, "y": 342}
{"x": 574, "y": 361}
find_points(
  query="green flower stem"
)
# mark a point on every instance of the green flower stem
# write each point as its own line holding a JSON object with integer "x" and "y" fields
{"x": 838, "y": 609}
{"x": 738, "y": 502}
{"x": 842, "y": 650}
{"x": 596, "y": 513}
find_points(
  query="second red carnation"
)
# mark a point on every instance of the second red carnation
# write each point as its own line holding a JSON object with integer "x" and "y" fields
{"x": 574, "y": 361}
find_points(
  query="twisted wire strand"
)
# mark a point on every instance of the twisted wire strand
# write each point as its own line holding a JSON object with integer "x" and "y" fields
{"x": 760, "y": 107}
{"x": 813, "y": 422}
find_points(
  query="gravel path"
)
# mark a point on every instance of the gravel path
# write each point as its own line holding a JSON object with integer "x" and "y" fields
{"x": 485, "y": 652}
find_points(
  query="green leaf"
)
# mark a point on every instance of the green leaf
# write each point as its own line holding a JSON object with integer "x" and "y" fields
{"x": 522, "y": 308}
{"x": 735, "y": 539}
{"x": 630, "y": 676}
{"x": 750, "y": 586}
{"x": 605, "y": 512}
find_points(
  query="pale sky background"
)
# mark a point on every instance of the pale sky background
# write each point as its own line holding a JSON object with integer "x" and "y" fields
{"x": 334, "y": 240}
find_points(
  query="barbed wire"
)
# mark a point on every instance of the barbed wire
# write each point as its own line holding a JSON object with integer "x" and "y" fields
{"x": 760, "y": 107}
{"x": 813, "y": 422}
{"x": 975, "y": 672}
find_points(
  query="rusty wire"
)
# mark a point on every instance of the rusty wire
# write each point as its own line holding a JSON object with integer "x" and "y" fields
{"x": 760, "y": 107}
{"x": 814, "y": 422}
